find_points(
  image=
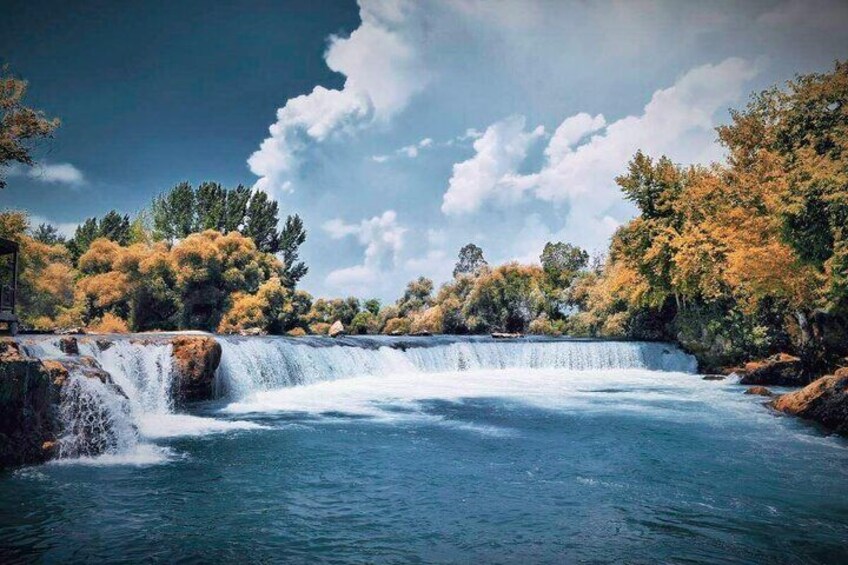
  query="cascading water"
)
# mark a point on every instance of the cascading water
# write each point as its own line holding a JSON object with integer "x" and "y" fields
{"x": 136, "y": 404}
{"x": 253, "y": 365}
{"x": 96, "y": 418}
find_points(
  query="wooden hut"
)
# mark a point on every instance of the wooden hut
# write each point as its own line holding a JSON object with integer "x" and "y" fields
{"x": 8, "y": 283}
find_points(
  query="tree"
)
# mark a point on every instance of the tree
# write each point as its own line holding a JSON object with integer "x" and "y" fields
{"x": 372, "y": 305}
{"x": 49, "y": 234}
{"x": 85, "y": 233}
{"x": 562, "y": 261}
{"x": 19, "y": 124}
{"x": 261, "y": 222}
{"x": 174, "y": 213}
{"x": 470, "y": 261}
{"x": 235, "y": 209}
{"x": 417, "y": 296}
{"x": 115, "y": 227}
{"x": 290, "y": 240}
{"x": 211, "y": 205}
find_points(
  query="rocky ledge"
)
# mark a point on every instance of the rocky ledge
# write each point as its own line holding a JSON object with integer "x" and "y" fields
{"x": 778, "y": 370}
{"x": 824, "y": 401}
{"x": 196, "y": 358}
{"x": 31, "y": 389}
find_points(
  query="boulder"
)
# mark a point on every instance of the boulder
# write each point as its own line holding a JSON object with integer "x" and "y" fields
{"x": 29, "y": 400}
{"x": 71, "y": 331}
{"x": 759, "y": 391}
{"x": 337, "y": 329}
{"x": 253, "y": 332}
{"x": 824, "y": 401}
{"x": 196, "y": 358}
{"x": 777, "y": 370}
{"x": 69, "y": 345}
{"x": 714, "y": 377}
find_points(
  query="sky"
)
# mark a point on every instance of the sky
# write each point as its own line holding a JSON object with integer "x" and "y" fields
{"x": 398, "y": 130}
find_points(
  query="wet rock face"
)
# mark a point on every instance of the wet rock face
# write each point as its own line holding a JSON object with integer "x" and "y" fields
{"x": 777, "y": 370}
{"x": 824, "y": 401}
{"x": 759, "y": 391}
{"x": 196, "y": 358}
{"x": 29, "y": 396}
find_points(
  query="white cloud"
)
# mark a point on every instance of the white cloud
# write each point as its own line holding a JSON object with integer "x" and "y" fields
{"x": 409, "y": 151}
{"x": 501, "y": 149}
{"x": 382, "y": 73}
{"x": 383, "y": 239}
{"x": 51, "y": 173}
{"x": 678, "y": 121}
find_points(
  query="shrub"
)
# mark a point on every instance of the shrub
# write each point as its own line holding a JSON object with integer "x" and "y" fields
{"x": 109, "y": 324}
{"x": 397, "y": 326}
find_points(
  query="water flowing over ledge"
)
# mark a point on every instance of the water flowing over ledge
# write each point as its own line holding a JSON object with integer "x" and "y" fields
{"x": 250, "y": 365}
{"x": 121, "y": 392}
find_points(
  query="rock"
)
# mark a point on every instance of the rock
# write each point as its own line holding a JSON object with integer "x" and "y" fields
{"x": 506, "y": 335}
{"x": 337, "y": 329}
{"x": 29, "y": 400}
{"x": 397, "y": 333}
{"x": 71, "y": 331}
{"x": 69, "y": 345}
{"x": 759, "y": 391}
{"x": 777, "y": 370}
{"x": 714, "y": 377}
{"x": 253, "y": 332}
{"x": 824, "y": 401}
{"x": 196, "y": 358}
{"x": 423, "y": 333}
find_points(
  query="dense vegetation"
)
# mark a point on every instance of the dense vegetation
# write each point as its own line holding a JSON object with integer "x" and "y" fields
{"x": 733, "y": 260}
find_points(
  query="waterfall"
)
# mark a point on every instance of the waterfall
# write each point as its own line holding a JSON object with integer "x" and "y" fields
{"x": 123, "y": 400}
{"x": 260, "y": 364}
{"x": 95, "y": 418}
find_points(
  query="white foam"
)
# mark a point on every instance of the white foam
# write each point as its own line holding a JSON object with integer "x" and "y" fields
{"x": 162, "y": 426}
{"x": 400, "y": 396}
{"x": 143, "y": 454}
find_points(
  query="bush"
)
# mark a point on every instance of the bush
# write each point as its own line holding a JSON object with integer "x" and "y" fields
{"x": 109, "y": 324}
{"x": 364, "y": 323}
{"x": 397, "y": 326}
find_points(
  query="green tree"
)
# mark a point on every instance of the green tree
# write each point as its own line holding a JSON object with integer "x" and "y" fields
{"x": 562, "y": 261}
{"x": 417, "y": 296}
{"x": 261, "y": 222}
{"x": 235, "y": 208}
{"x": 174, "y": 214}
{"x": 470, "y": 262}
{"x": 49, "y": 234}
{"x": 290, "y": 239}
{"x": 211, "y": 205}
{"x": 372, "y": 305}
{"x": 19, "y": 124}
{"x": 115, "y": 227}
{"x": 85, "y": 233}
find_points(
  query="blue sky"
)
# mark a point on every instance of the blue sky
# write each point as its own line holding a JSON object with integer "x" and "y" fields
{"x": 399, "y": 130}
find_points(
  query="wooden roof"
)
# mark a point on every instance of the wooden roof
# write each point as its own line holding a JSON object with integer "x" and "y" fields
{"x": 7, "y": 246}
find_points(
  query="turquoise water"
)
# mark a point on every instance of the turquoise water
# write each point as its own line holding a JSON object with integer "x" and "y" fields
{"x": 533, "y": 465}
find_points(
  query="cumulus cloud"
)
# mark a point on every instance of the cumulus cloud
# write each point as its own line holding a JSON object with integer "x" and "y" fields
{"x": 383, "y": 239}
{"x": 501, "y": 148}
{"x": 585, "y": 153}
{"x": 382, "y": 73}
{"x": 51, "y": 173}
